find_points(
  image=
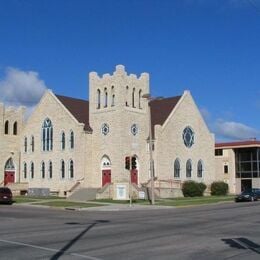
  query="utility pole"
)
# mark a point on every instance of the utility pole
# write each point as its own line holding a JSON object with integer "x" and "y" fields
{"x": 148, "y": 98}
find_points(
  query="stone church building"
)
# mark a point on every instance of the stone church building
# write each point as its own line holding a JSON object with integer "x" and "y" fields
{"x": 69, "y": 145}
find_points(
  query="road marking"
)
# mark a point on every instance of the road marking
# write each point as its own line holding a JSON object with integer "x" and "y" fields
{"x": 48, "y": 249}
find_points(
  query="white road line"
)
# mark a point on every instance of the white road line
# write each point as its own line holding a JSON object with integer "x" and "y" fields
{"x": 48, "y": 249}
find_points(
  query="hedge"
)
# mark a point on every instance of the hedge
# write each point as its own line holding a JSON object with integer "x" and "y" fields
{"x": 219, "y": 188}
{"x": 193, "y": 189}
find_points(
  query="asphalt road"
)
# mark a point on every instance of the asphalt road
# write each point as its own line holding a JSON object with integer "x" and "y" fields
{"x": 226, "y": 231}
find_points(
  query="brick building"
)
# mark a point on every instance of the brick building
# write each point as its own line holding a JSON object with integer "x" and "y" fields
{"x": 238, "y": 164}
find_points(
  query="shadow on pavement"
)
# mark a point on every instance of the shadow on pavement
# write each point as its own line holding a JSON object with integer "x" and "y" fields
{"x": 242, "y": 243}
{"x": 75, "y": 239}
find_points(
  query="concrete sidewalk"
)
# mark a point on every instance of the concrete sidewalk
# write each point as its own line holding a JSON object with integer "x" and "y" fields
{"x": 104, "y": 206}
{"x": 123, "y": 207}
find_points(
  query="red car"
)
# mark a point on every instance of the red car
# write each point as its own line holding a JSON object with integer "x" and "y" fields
{"x": 6, "y": 195}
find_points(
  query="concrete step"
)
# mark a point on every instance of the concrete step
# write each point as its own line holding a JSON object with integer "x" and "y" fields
{"x": 83, "y": 194}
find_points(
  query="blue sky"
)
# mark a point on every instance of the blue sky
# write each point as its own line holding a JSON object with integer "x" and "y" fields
{"x": 210, "y": 47}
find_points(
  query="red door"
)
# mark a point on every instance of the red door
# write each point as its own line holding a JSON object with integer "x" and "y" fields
{"x": 106, "y": 177}
{"x": 9, "y": 177}
{"x": 134, "y": 176}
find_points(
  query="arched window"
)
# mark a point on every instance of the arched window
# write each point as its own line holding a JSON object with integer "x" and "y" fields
{"x": 133, "y": 98}
{"x": 15, "y": 128}
{"x": 113, "y": 96}
{"x": 106, "y": 98}
{"x": 25, "y": 144}
{"x": 200, "y": 169}
{"x": 113, "y": 100}
{"x": 25, "y": 170}
{"x": 105, "y": 162}
{"x": 71, "y": 140}
{"x": 32, "y": 170}
{"x": 47, "y": 135}
{"x": 63, "y": 141}
{"x": 140, "y": 99}
{"x": 177, "y": 168}
{"x": 71, "y": 169}
{"x": 50, "y": 169}
{"x": 32, "y": 143}
{"x": 62, "y": 169}
{"x": 98, "y": 99}
{"x": 43, "y": 170}
{"x": 188, "y": 168}
{"x": 9, "y": 166}
{"x": 126, "y": 96}
{"x": 6, "y": 127}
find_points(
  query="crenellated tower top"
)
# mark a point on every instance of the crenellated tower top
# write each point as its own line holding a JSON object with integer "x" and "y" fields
{"x": 118, "y": 90}
{"x": 120, "y": 71}
{"x": 12, "y": 120}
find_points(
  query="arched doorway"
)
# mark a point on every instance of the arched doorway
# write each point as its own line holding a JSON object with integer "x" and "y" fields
{"x": 106, "y": 170}
{"x": 9, "y": 175}
{"x": 134, "y": 170}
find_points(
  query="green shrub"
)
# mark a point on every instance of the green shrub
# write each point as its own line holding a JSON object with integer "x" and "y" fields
{"x": 219, "y": 188}
{"x": 193, "y": 189}
{"x": 202, "y": 187}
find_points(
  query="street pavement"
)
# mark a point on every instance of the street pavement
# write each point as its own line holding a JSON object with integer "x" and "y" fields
{"x": 223, "y": 231}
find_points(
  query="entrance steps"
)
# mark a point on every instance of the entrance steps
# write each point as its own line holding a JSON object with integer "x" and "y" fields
{"x": 83, "y": 194}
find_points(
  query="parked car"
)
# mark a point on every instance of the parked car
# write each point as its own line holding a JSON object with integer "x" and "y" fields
{"x": 246, "y": 196}
{"x": 257, "y": 192}
{"x": 6, "y": 195}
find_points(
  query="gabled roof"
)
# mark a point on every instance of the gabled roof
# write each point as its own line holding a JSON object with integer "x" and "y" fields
{"x": 161, "y": 109}
{"x": 79, "y": 108}
{"x": 238, "y": 144}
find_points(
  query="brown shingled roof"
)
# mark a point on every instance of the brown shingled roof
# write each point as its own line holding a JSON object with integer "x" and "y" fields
{"x": 161, "y": 109}
{"x": 79, "y": 108}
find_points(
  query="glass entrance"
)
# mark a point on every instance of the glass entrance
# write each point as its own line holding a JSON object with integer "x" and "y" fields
{"x": 246, "y": 184}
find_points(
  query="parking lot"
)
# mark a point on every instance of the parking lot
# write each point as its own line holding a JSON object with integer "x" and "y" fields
{"x": 224, "y": 231}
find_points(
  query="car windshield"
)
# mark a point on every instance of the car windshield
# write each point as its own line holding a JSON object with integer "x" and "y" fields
{"x": 5, "y": 190}
{"x": 246, "y": 193}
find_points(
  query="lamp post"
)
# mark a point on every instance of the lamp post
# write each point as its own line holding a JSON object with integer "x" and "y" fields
{"x": 151, "y": 162}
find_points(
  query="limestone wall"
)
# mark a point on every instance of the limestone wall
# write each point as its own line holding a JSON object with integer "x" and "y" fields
{"x": 119, "y": 142}
{"x": 50, "y": 107}
{"x": 10, "y": 142}
{"x": 170, "y": 145}
{"x": 228, "y": 159}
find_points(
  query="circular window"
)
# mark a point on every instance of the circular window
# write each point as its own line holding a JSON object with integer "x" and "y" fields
{"x": 105, "y": 129}
{"x": 134, "y": 129}
{"x": 188, "y": 136}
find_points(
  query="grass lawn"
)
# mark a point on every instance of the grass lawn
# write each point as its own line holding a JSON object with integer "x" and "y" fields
{"x": 25, "y": 199}
{"x": 54, "y": 202}
{"x": 176, "y": 202}
{"x": 67, "y": 204}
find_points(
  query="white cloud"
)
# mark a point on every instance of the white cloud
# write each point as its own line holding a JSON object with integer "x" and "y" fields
{"x": 205, "y": 114}
{"x": 234, "y": 130}
{"x": 21, "y": 88}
